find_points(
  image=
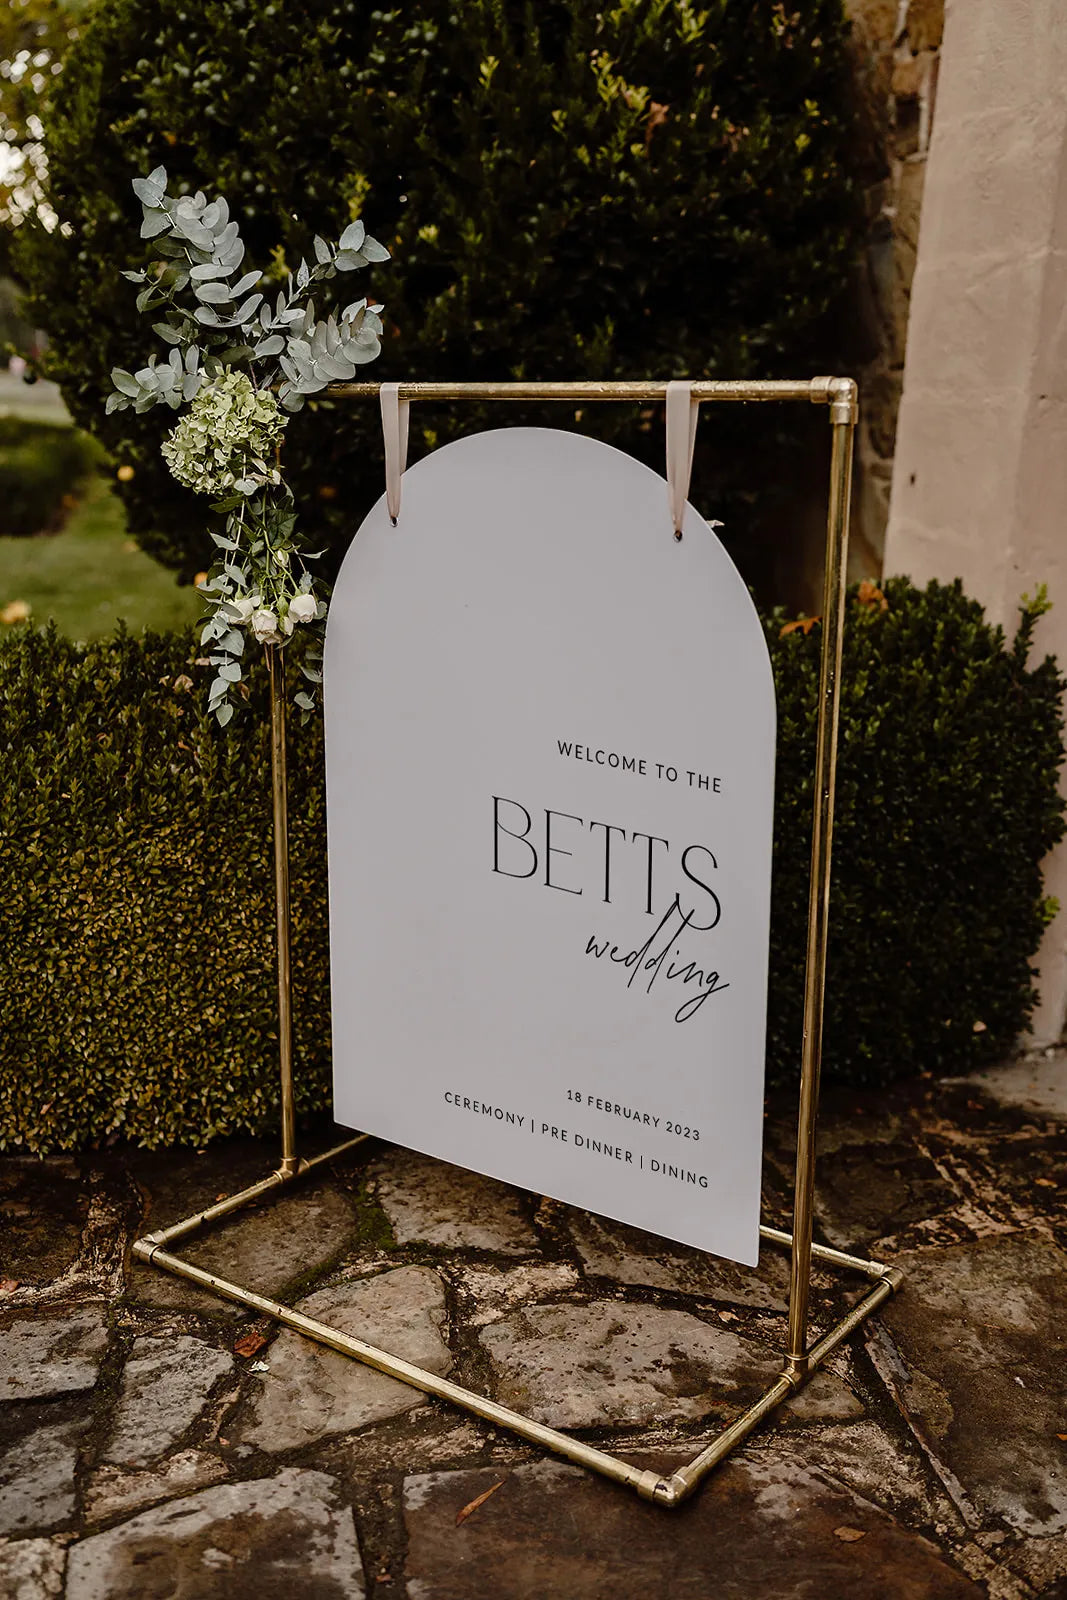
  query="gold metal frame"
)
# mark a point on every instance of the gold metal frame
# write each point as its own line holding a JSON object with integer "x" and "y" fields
{"x": 801, "y": 1358}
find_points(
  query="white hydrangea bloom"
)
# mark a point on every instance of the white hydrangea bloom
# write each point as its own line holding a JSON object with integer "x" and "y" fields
{"x": 229, "y": 422}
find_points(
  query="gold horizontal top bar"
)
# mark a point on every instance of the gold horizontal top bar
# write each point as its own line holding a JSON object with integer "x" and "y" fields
{"x": 819, "y": 391}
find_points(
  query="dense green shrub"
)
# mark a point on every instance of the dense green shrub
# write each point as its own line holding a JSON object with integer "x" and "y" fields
{"x": 569, "y": 189}
{"x": 136, "y": 941}
{"x": 946, "y": 802}
{"x": 42, "y": 467}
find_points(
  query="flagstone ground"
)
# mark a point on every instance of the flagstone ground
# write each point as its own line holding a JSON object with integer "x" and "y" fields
{"x": 156, "y": 1442}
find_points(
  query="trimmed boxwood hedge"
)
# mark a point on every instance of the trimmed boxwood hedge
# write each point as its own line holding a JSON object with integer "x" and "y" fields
{"x": 136, "y": 939}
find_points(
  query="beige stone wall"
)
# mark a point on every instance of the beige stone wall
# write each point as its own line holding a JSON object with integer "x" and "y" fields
{"x": 895, "y": 48}
{"x": 980, "y": 473}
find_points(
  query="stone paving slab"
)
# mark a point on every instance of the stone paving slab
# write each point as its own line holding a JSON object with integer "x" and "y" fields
{"x": 32, "y": 1569}
{"x": 165, "y": 1386}
{"x": 982, "y": 1336}
{"x": 112, "y": 1490}
{"x": 45, "y": 1356}
{"x": 37, "y": 1485}
{"x": 867, "y": 1191}
{"x": 431, "y": 1202}
{"x": 264, "y": 1249}
{"x": 311, "y": 1392}
{"x": 754, "y": 1532}
{"x": 938, "y": 1423}
{"x": 627, "y": 1255}
{"x": 1035, "y": 1084}
{"x": 608, "y": 1364}
{"x": 493, "y": 1292}
{"x": 291, "y": 1535}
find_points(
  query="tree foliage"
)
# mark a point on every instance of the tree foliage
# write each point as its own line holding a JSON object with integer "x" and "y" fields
{"x": 568, "y": 190}
{"x": 34, "y": 38}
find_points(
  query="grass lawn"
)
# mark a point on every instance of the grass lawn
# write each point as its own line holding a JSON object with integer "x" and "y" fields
{"x": 92, "y": 574}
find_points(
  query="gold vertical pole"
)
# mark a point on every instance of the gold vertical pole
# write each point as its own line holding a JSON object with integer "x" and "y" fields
{"x": 280, "y": 791}
{"x": 843, "y": 411}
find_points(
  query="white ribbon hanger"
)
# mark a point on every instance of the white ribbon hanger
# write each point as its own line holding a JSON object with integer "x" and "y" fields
{"x": 682, "y": 412}
{"x": 395, "y": 417}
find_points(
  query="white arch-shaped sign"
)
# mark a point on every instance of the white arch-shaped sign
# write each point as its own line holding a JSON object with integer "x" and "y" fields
{"x": 550, "y": 733}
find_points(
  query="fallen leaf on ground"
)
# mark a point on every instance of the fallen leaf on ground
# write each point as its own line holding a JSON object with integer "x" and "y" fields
{"x": 1045, "y": 1183}
{"x": 461, "y": 1516}
{"x": 849, "y": 1535}
{"x": 1061, "y": 1436}
{"x": 8, "y": 1285}
{"x": 249, "y": 1344}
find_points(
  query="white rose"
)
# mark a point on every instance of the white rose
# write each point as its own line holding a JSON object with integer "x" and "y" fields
{"x": 286, "y": 624}
{"x": 302, "y": 608}
{"x": 244, "y": 607}
{"x": 265, "y": 627}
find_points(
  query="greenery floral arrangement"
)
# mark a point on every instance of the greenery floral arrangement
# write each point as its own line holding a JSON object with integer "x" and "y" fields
{"x": 241, "y": 364}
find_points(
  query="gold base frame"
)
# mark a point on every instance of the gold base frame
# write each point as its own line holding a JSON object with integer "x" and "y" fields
{"x": 800, "y": 1358}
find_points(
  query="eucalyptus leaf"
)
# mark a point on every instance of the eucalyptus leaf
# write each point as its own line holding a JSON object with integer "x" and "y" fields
{"x": 149, "y": 193}
{"x": 154, "y": 222}
{"x": 213, "y": 294}
{"x": 125, "y": 381}
{"x": 353, "y": 236}
{"x": 243, "y": 313}
{"x": 167, "y": 333}
{"x": 335, "y": 367}
{"x": 243, "y": 285}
